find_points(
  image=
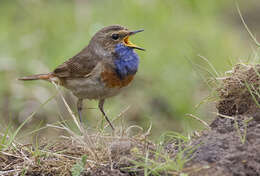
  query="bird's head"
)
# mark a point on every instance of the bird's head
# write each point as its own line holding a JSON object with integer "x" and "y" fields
{"x": 109, "y": 37}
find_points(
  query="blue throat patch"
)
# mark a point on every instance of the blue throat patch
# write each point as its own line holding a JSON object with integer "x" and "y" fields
{"x": 127, "y": 61}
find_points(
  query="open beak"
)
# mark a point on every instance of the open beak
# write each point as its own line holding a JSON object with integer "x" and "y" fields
{"x": 130, "y": 44}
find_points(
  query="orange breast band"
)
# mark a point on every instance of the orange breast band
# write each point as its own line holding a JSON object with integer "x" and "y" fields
{"x": 111, "y": 79}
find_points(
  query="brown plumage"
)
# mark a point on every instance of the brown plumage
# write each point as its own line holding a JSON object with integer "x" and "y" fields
{"x": 92, "y": 73}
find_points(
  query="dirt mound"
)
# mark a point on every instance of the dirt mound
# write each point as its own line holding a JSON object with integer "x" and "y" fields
{"x": 239, "y": 92}
{"x": 232, "y": 146}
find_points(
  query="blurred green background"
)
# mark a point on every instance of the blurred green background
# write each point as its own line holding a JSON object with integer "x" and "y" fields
{"x": 38, "y": 35}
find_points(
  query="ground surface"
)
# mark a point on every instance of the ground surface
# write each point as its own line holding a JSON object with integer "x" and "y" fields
{"x": 223, "y": 151}
{"x": 231, "y": 147}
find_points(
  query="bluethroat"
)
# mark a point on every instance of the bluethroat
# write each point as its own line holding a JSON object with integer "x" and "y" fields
{"x": 108, "y": 64}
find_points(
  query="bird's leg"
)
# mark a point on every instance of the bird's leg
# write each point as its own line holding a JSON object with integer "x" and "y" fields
{"x": 79, "y": 107}
{"x": 101, "y": 105}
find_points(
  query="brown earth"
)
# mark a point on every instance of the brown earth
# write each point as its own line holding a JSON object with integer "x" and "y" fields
{"x": 223, "y": 151}
{"x": 232, "y": 146}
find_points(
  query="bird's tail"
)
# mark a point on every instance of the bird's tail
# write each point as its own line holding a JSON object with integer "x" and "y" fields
{"x": 36, "y": 77}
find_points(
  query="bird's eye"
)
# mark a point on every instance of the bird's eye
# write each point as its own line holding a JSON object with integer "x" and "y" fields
{"x": 115, "y": 36}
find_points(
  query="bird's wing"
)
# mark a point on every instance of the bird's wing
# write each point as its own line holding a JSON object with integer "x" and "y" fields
{"x": 77, "y": 66}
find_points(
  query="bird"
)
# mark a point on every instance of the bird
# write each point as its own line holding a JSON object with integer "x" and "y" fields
{"x": 100, "y": 70}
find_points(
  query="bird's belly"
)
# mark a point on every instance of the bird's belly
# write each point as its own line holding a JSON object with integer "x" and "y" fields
{"x": 90, "y": 88}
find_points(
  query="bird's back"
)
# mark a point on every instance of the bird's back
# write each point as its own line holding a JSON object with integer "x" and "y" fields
{"x": 78, "y": 66}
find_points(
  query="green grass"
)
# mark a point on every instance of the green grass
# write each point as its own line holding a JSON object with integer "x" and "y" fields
{"x": 8, "y": 137}
{"x": 242, "y": 134}
{"x": 79, "y": 167}
{"x": 159, "y": 162}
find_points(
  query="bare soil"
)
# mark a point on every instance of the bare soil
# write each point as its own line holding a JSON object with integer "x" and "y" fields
{"x": 223, "y": 151}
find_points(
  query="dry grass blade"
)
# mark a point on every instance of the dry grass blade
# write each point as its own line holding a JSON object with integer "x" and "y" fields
{"x": 119, "y": 115}
{"x": 211, "y": 66}
{"x": 9, "y": 172}
{"x": 200, "y": 120}
{"x": 68, "y": 108}
{"x": 84, "y": 140}
{"x": 87, "y": 140}
{"x": 133, "y": 126}
{"x": 224, "y": 116}
{"x": 247, "y": 28}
